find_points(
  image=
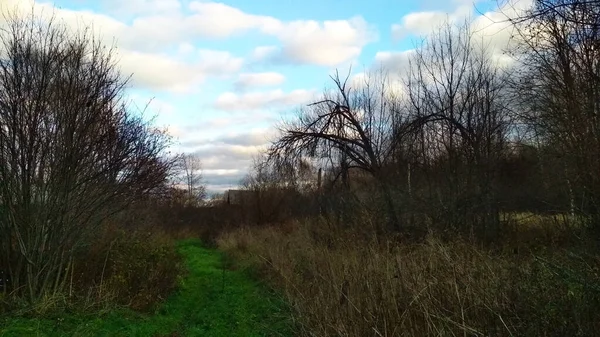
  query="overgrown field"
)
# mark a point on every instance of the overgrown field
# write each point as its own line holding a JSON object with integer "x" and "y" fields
{"x": 211, "y": 300}
{"x": 538, "y": 282}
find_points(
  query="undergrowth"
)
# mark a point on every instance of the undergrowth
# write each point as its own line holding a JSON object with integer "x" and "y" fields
{"x": 210, "y": 301}
{"x": 343, "y": 283}
{"x": 137, "y": 269}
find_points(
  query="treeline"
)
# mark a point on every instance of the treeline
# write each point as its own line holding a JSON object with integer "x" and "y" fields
{"x": 460, "y": 140}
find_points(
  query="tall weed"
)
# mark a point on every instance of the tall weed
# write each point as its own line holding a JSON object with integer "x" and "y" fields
{"x": 343, "y": 283}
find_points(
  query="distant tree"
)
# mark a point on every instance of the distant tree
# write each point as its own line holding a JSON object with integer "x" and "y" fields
{"x": 266, "y": 190}
{"x": 189, "y": 174}
{"x": 71, "y": 152}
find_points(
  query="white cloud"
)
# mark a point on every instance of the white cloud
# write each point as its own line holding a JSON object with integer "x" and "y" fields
{"x": 158, "y": 40}
{"x": 186, "y": 48}
{"x": 328, "y": 43}
{"x": 393, "y": 62}
{"x": 379, "y": 78}
{"x": 258, "y": 100}
{"x": 262, "y": 53}
{"x": 226, "y": 159}
{"x": 491, "y": 30}
{"x": 215, "y": 124}
{"x": 423, "y": 23}
{"x": 164, "y": 72}
{"x": 141, "y": 7}
{"x": 162, "y": 107}
{"x": 162, "y": 24}
{"x": 220, "y": 20}
{"x": 153, "y": 105}
{"x": 138, "y": 44}
{"x": 173, "y": 131}
{"x": 418, "y": 23}
{"x": 249, "y": 80}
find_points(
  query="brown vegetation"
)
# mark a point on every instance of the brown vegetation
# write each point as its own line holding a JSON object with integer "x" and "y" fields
{"x": 345, "y": 283}
{"x": 461, "y": 201}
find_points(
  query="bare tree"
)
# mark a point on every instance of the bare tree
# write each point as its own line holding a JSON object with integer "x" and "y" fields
{"x": 577, "y": 12}
{"x": 355, "y": 128}
{"x": 189, "y": 173}
{"x": 272, "y": 189}
{"x": 71, "y": 152}
{"x": 559, "y": 89}
{"x": 461, "y": 94}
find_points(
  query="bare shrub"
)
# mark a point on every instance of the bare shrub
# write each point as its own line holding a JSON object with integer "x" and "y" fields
{"x": 71, "y": 152}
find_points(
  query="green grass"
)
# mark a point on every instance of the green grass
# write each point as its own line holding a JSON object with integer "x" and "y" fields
{"x": 210, "y": 301}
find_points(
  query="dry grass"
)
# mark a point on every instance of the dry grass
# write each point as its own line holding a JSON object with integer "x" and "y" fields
{"x": 341, "y": 283}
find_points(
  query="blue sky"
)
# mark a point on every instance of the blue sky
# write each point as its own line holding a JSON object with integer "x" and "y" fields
{"x": 222, "y": 74}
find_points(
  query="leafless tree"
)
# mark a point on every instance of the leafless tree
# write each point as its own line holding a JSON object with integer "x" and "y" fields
{"x": 356, "y": 128}
{"x": 189, "y": 167}
{"x": 71, "y": 152}
{"x": 271, "y": 189}
{"x": 559, "y": 89}
{"x": 461, "y": 93}
{"x": 577, "y": 12}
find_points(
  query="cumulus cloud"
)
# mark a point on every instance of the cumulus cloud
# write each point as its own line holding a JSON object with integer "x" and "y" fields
{"x": 153, "y": 105}
{"x": 141, "y": 7}
{"x": 230, "y": 101}
{"x": 221, "y": 122}
{"x": 422, "y": 23}
{"x": 250, "y": 80}
{"x": 220, "y": 20}
{"x": 418, "y": 23}
{"x": 491, "y": 31}
{"x": 138, "y": 44}
{"x": 161, "y": 107}
{"x": 494, "y": 32}
{"x": 393, "y": 62}
{"x": 263, "y": 53}
{"x": 328, "y": 43}
{"x": 157, "y": 25}
{"x": 394, "y": 85}
{"x": 166, "y": 72}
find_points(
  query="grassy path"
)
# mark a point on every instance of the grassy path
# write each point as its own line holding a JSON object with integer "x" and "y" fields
{"x": 211, "y": 301}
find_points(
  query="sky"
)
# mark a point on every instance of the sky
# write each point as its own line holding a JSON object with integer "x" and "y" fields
{"x": 220, "y": 76}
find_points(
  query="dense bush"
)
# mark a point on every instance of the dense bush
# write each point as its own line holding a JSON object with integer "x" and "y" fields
{"x": 136, "y": 268}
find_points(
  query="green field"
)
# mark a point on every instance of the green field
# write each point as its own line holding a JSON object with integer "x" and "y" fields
{"x": 210, "y": 301}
